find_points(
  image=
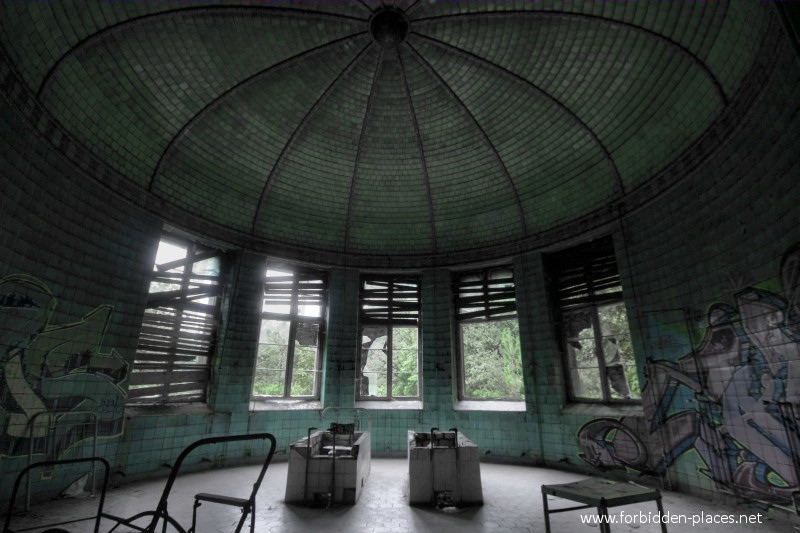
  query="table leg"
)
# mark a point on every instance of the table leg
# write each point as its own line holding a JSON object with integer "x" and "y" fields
{"x": 546, "y": 513}
{"x": 661, "y": 514}
{"x": 602, "y": 511}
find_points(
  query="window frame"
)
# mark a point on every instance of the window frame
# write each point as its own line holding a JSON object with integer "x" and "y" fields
{"x": 299, "y": 274}
{"x": 152, "y": 340}
{"x": 599, "y": 274}
{"x": 493, "y": 310}
{"x": 368, "y": 319}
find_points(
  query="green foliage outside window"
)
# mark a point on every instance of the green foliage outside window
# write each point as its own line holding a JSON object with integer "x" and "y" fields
{"x": 405, "y": 361}
{"x": 304, "y": 371}
{"x": 492, "y": 360}
{"x": 272, "y": 357}
{"x": 405, "y": 364}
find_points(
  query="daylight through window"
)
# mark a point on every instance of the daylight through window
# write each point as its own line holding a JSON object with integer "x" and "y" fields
{"x": 488, "y": 332}
{"x": 389, "y": 317}
{"x": 179, "y": 329}
{"x": 599, "y": 360}
{"x": 292, "y": 322}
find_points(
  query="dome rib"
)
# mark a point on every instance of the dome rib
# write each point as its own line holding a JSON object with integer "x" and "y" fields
{"x": 365, "y": 6}
{"x": 359, "y": 151}
{"x": 422, "y": 158}
{"x": 244, "y": 124}
{"x": 411, "y": 7}
{"x": 555, "y": 101}
{"x": 484, "y": 136}
{"x": 108, "y": 30}
{"x": 585, "y": 16}
{"x": 230, "y": 91}
{"x": 300, "y": 126}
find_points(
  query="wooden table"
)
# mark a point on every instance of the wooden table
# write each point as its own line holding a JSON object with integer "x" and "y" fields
{"x": 602, "y": 494}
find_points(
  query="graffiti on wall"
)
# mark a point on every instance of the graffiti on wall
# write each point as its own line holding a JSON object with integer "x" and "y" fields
{"x": 734, "y": 399}
{"x": 51, "y": 374}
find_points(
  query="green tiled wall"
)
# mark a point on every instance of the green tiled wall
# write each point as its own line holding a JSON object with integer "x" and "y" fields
{"x": 723, "y": 229}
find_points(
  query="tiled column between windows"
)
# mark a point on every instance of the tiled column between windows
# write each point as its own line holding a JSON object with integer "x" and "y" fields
{"x": 544, "y": 384}
{"x": 341, "y": 340}
{"x": 238, "y": 340}
{"x": 438, "y": 370}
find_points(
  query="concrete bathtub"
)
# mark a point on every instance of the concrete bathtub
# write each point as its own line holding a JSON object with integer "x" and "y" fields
{"x": 317, "y": 476}
{"x": 443, "y": 470}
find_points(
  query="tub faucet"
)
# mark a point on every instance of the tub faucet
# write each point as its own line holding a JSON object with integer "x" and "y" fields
{"x": 433, "y": 431}
{"x": 455, "y": 436}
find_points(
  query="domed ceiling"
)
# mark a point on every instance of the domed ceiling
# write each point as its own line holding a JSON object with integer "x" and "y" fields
{"x": 407, "y": 133}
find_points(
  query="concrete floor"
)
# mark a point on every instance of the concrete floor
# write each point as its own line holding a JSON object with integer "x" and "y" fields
{"x": 512, "y": 503}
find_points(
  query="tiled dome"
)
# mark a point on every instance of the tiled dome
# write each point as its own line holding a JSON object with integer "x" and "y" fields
{"x": 408, "y": 134}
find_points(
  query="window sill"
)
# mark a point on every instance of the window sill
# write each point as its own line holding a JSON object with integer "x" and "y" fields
{"x": 602, "y": 409}
{"x": 161, "y": 409}
{"x": 491, "y": 405}
{"x": 284, "y": 404}
{"x": 389, "y": 405}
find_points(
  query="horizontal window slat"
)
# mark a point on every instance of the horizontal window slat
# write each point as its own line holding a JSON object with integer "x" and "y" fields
{"x": 485, "y": 294}
{"x": 183, "y": 305}
{"x": 585, "y": 274}
{"x": 161, "y": 378}
{"x": 188, "y": 334}
{"x": 174, "y": 297}
{"x": 148, "y": 330}
{"x": 189, "y": 261}
{"x": 199, "y": 391}
{"x": 387, "y": 317}
{"x": 482, "y": 314}
{"x": 484, "y": 298}
{"x": 143, "y": 357}
{"x": 395, "y": 321}
{"x": 589, "y": 300}
{"x": 304, "y": 287}
{"x": 179, "y": 327}
{"x": 389, "y": 300}
{"x": 177, "y": 366}
{"x": 508, "y": 309}
{"x": 179, "y": 352}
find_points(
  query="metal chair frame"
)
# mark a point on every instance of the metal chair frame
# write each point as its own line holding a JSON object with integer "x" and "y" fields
{"x": 24, "y": 474}
{"x": 248, "y": 505}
